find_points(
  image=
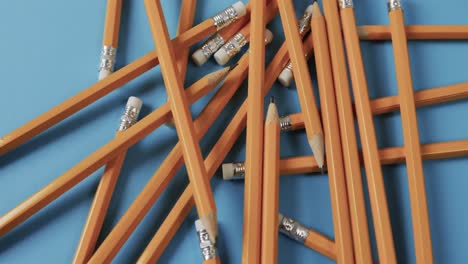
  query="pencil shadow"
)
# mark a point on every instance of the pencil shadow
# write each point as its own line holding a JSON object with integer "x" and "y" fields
{"x": 47, "y": 216}
{"x": 124, "y": 31}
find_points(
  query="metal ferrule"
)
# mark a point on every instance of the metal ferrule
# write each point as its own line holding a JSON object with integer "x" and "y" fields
{"x": 346, "y": 3}
{"x": 239, "y": 171}
{"x": 304, "y": 23}
{"x": 212, "y": 45}
{"x": 208, "y": 249}
{"x": 293, "y": 229}
{"x": 108, "y": 55}
{"x": 285, "y": 123}
{"x": 129, "y": 117}
{"x": 394, "y": 5}
{"x": 225, "y": 17}
{"x": 234, "y": 45}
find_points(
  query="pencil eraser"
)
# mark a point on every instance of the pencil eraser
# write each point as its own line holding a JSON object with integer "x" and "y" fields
{"x": 228, "y": 171}
{"x": 135, "y": 102}
{"x": 199, "y": 57}
{"x": 286, "y": 77}
{"x": 309, "y": 9}
{"x": 103, "y": 74}
{"x": 268, "y": 36}
{"x": 221, "y": 56}
{"x": 240, "y": 8}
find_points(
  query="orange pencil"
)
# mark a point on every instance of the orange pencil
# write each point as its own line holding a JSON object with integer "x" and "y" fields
{"x": 212, "y": 162}
{"x": 375, "y": 180}
{"x": 103, "y": 155}
{"x": 417, "y": 189}
{"x": 416, "y": 32}
{"x": 111, "y": 38}
{"x": 308, "y": 237}
{"x": 114, "y": 81}
{"x": 186, "y": 17}
{"x": 104, "y": 192}
{"x": 182, "y": 119}
{"x": 270, "y": 200}
{"x": 335, "y": 164}
{"x": 166, "y": 171}
{"x": 347, "y": 130}
{"x": 303, "y": 80}
{"x": 251, "y": 238}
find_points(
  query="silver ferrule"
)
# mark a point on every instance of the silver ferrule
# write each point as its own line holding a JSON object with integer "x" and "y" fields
{"x": 239, "y": 171}
{"x": 212, "y": 45}
{"x": 285, "y": 123}
{"x": 293, "y": 229}
{"x": 394, "y": 5}
{"x": 234, "y": 45}
{"x": 304, "y": 23}
{"x": 225, "y": 17}
{"x": 108, "y": 55}
{"x": 346, "y": 3}
{"x": 208, "y": 248}
{"x": 129, "y": 117}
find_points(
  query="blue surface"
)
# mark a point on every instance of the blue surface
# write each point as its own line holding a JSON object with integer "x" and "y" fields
{"x": 49, "y": 51}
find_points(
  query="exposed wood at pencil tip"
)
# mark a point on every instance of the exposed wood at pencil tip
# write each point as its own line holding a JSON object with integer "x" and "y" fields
{"x": 316, "y": 10}
{"x": 218, "y": 76}
{"x": 272, "y": 114}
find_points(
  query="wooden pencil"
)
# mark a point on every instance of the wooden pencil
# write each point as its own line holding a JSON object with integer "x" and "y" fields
{"x": 186, "y": 18}
{"x": 270, "y": 200}
{"x": 310, "y": 238}
{"x": 110, "y": 40}
{"x": 212, "y": 162}
{"x": 417, "y": 189}
{"x": 234, "y": 45}
{"x": 375, "y": 180}
{"x": 196, "y": 171}
{"x": 387, "y": 156}
{"x": 334, "y": 155}
{"x": 103, "y": 155}
{"x": 416, "y": 32}
{"x": 302, "y": 79}
{"x": 167, "y": 170}
{"x": 252, "y": 227}
{"x": 105, "y": 189}
{"x": 109, "y": 84}
{"x": 389, "y": 104}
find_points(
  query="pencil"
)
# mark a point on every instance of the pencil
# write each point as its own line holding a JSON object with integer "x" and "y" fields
{"x": 217, "y": 40}
{"x": 110, "y": 40}
{"x": 186, "y": 17}
{"x": 375, "y": 180}
{"x": 182, "y": 119}
{"x": 303, "y": 81}
{"x": 310, "y": 238}
{"x": 416, "y": 32}
{"x": 212, "y": 162}
{"x": 336, "y": 171}
{"x": 389, "y": 104}
{"x": 387, "y": 156}
{"x": 167, "y": 170}
{"x": 347, "y": 130}
{"x": 252, "y": 227}
{"x": 242, "y": 38}
{"x": 113, "y": 81}
{"x": 103, "y": 155}
{"x": 270, "y": 200}
{"x": 417, "y": 189}
{"x": 286, "y": 76}
{"x": 105, "y": 189}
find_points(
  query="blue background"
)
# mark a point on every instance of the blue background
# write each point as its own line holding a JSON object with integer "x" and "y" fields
{"x": 49, "y": 51}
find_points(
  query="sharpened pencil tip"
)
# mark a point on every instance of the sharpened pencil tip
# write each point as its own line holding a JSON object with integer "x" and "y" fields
{"x": 316, "y": 12}
{"x": 272, "y": 100}
{"x": 322, "y": 170}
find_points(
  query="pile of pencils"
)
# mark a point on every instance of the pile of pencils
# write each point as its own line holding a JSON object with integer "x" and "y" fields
{"x": 332, "y": 38}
